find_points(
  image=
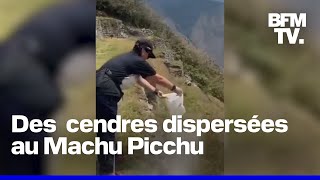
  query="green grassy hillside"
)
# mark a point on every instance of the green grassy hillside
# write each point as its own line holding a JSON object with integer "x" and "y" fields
{"x": 134, "y": 105}
{"x": 201, "y": 101}
{"x": 197, "y": 64}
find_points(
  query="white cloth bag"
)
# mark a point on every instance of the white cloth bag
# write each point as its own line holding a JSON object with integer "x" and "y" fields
{"x": 175, "y": 104}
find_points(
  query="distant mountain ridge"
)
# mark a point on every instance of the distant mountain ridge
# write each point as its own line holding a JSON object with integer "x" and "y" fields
{"x": 201, "y": 21}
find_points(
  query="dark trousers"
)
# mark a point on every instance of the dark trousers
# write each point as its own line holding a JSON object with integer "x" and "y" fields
{"x": 106, "y": 108}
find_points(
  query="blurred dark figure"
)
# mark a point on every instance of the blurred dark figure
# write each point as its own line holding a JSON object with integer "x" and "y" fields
{"x": 29, "y": 62}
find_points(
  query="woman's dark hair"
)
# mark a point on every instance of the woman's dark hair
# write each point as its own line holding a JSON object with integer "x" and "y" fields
{"x": 137, "y": 49}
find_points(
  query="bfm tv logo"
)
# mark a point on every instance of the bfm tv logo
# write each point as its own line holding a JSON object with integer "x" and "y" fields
{"x": 278, "y": 22}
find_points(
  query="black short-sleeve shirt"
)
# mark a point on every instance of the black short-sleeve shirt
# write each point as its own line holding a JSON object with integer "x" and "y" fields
{"x": 119, "y": 68}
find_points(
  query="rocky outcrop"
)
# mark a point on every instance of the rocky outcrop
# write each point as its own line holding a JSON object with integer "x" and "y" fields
{"x": 132, "y": 31}
{"x": 110, "y": 27}
{"x": 175, "y": 66}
